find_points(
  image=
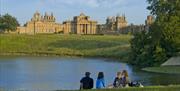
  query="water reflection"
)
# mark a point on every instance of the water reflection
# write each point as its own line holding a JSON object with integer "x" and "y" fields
{"x": 46, "y": 73}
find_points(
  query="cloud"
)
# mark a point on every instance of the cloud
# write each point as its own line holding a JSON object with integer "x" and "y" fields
{"x": 88, "y": 3}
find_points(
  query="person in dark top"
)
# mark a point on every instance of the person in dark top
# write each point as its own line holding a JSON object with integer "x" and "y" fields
{"x": 118, "y": 80}
{"x": 86, "y": 82}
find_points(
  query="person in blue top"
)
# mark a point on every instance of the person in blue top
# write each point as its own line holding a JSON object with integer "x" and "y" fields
{"x": 100, "y": 83}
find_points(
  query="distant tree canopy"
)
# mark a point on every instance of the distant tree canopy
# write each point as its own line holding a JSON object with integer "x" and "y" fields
{"x": 163, "y": 39}
{"x": 8, "y": 23}
{"x": 167, "y": 14}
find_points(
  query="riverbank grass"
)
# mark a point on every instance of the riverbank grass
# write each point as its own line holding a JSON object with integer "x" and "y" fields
{"x": 65, "y": 45}
{"x": 150, "y": 88}
{"x": 164, "y": 69}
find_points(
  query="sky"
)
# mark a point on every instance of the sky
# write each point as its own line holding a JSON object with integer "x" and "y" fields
{"x": 23, "y": 10}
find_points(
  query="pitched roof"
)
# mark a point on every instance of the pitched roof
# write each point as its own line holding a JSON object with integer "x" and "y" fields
{"x": 174, "y": 61}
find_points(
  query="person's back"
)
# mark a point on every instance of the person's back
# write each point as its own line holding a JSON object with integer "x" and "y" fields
{"x": 86, "y": 82}
{"x": 100, "y": 83}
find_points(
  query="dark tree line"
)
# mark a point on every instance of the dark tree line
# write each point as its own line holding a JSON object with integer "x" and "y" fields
{"x": 163, "y": 39}
{"x": 8, "y": 23}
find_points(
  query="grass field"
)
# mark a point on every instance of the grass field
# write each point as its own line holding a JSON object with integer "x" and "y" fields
{"x": 65, "y": 45}
{"x": 151, "y": 88}
{"x": 164, "y": 69}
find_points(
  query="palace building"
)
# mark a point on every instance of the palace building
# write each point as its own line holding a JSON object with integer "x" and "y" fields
{"x": 80, "y": 25}
{"x": 41, "y": 24}
{"x": 150, "y": 20}
{"x": 113, "y": 24}
{"x": 116, "y": 23}
{"x": 46, "y": 24}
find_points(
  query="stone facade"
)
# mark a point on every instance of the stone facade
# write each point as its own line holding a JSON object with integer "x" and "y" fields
{"x": 46, "y": 24}
{"x": 114, "y": 24}
{"x": 150, "y": 20}
{"x": 134, "y": 28}
{"x": 80, "y": 25}
{"x": 138, "y": 28}
{"x": 40, "y": 24}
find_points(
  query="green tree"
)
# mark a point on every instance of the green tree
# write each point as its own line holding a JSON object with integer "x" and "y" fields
{"x": 167, "y": 22}
{"x": 141, "y": 50}
{"x": 162, "y": 40}
{"x": 8, "y": 23}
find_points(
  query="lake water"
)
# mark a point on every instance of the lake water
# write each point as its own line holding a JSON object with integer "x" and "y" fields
{"x": 52, "y": 73}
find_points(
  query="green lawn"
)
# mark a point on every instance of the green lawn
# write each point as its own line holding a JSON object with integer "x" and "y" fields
{"x": 152, "y": 88}
{"x": 164, "y": 69}
{"x": 65, "y": 45}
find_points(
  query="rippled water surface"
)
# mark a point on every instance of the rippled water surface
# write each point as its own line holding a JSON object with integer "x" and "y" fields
{"x": 52, "y": 73}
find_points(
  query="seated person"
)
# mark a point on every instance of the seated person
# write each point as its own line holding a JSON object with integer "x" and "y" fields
{"x": 100, "y": 81}
{"x": 86, "y": 82}
{"x": 118, "y": 80}
{"x": 125, "y": 79}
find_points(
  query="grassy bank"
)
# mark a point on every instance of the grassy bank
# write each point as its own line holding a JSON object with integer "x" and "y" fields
{"x": 65, "y": 45}
{"x": 164, "y": 69}
{"x": 152, "y": 88}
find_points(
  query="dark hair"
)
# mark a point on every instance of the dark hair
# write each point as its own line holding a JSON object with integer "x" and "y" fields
{"x": 125, "y": 73}
{"x": 100, "y": 75}
{"x": 87, "y": 74}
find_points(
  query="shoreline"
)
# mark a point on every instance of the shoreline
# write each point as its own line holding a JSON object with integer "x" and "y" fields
{"x": 146, "y": 88}
{"x": 163, "y": 70}
{"x": 24, "y": 54}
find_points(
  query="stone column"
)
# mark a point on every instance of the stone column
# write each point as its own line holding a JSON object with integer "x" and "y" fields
{"x": 82, "y": 28}
{"x": 88, "y": 29}
{"x": 94, "y": 29}
{"x": 85, "y": 28}
{"x": 77, "y": 28}
{"x": 92, "y": 32}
